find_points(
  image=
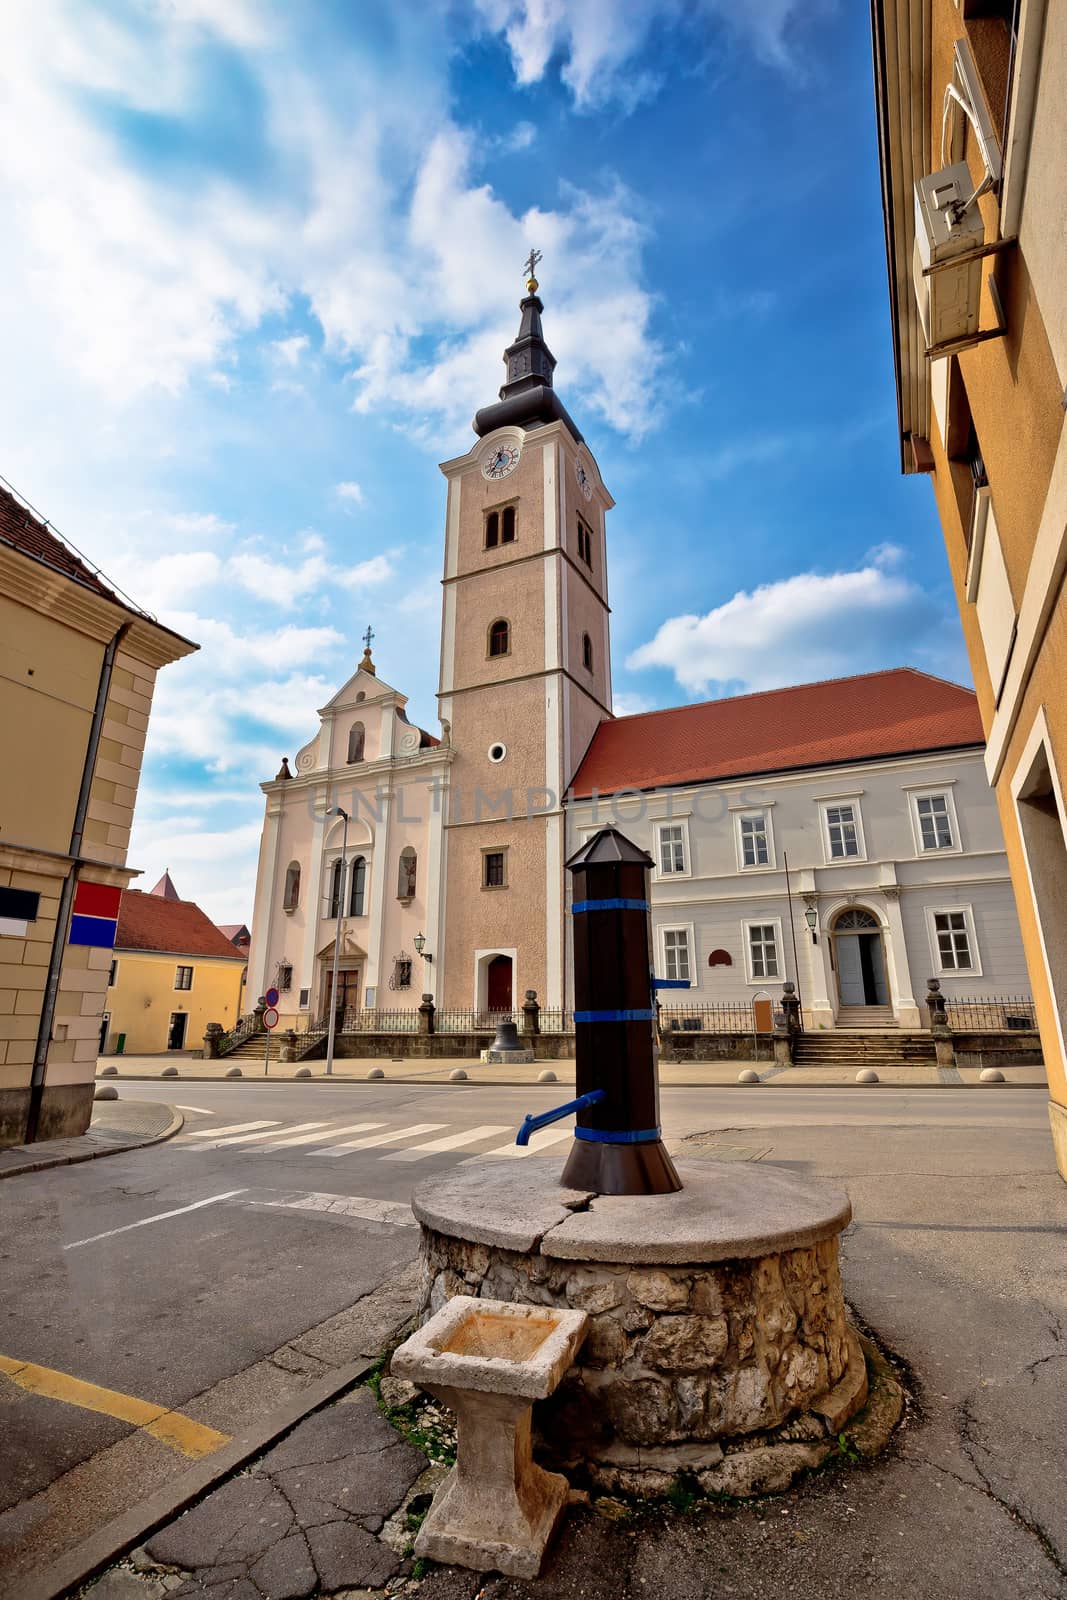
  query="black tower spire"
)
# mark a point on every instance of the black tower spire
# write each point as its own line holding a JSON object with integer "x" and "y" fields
{"x": 527, "y": 398}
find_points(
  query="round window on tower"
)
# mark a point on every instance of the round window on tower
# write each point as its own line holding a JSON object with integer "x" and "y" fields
{"x": 497, "y": 752}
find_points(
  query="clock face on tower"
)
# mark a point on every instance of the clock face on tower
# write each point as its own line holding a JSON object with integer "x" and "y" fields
{"x": 584, "y": 481}
{"x": 500, "y": 461}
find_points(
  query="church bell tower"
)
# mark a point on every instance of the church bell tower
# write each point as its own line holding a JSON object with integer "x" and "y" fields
{"x": 525, "y": 675}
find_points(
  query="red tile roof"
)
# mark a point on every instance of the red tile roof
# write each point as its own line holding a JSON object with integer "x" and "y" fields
{"x": 25, "y": 532}
{"x": 893, "y": 713}
{"x": 148, "y": 922}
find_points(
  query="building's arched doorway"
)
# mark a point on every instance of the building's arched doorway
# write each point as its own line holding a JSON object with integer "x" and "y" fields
{"x": 498, "y": 984}
{"x": 859, "y": 958}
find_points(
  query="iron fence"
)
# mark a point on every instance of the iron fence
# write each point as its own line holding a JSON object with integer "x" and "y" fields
{"x": 991, "y": 1013}
{"x": 242, "y": 1030}
{"x": 712, "y": 1018}
{"x": 716, "y": 1018}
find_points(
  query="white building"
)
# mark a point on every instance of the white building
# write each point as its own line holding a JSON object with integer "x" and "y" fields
{"x": 391, "y": 779}
{"x": 864, "y": 799}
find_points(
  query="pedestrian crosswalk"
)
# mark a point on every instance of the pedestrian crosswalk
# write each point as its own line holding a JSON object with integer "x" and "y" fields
{"x": 387, "y": 1140}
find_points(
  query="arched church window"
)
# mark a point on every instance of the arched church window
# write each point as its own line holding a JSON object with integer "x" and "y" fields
{"x": 291, "y": 897}
{"x": 334, "y": 908}
{"x": 587, "y": 652}
{"x": 499, "y": 637}
{"x": 357, "y": 739}
{"x": 358, "y": 896}
{"x": 409, "y": 867}
{"x": 507, "y": 525}
{"x": 492, "y": 530}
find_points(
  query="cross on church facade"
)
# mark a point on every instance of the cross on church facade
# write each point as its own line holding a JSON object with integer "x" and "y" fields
{"x": 530, "y": 264}
{"x": 368, "y": 636}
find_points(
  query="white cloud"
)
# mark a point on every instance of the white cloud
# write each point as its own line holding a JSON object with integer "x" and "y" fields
{"x": 599, "y": 42}
{"x": 289, "y": 351}
{"x": 806, "y": 627}
{"x": 365, "y": 573}
{"x": 351, "y": 493}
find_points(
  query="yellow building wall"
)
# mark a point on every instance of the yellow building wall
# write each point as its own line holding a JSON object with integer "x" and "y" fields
{"x": 143, "y": 996}
{"x": 1016, "y": 401}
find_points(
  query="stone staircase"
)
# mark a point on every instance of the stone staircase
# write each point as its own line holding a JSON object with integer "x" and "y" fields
{"x": 871, "y": 1018}
{"x": 837, "y": 1049}
{"x": 254, "y": 1048}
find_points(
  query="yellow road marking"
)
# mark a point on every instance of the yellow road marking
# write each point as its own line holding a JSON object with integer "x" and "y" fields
{"x": 171, "y": 1428}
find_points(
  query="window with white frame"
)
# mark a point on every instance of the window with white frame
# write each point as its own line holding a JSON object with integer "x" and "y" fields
{"x": 841, "y": 823}
{"x": 676, "y": 954}
{"x": 754, "y": 836}
{"x": 672, "y": 851}
{"x": 934, "y": 822}
{"x": 953, "y": 940}
{"x": 763, "y": 956}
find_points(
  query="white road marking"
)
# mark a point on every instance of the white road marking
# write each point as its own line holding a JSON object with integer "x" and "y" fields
{"x": 349, "y": 1206}
{"x": 235, "y": 1127}
{"x": 271, "y": 1133}
{"x": 454, "y": 1141}
{"x": 357, "y": 1127}
{"x": 159, "y": 1217}
{"x": 202, "y": 1109}
{"x": 538, "y": 1141}
{"x": 319, "y": 1138}
{"x": 385, "y": 1138}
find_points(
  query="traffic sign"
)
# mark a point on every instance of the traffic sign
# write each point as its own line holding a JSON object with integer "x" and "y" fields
{"x": 270, "y": 1018}
{"x": 272, "y": 997}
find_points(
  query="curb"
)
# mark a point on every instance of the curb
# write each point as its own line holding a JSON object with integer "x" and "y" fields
{"x": 177, "y": 1122}
{"x": 111, "y": 1542}
{"x": 507, "y": 1083}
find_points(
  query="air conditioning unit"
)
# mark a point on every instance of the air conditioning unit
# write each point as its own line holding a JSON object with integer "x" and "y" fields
{"x": 947, "y": 226}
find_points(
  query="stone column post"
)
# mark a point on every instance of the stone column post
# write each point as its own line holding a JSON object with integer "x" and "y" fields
{"x": 791, "y": 1007}
{"x": 782, "y": 1040}
{"x": 426, "y": 1014}
{"x": 257, "y": 1015}
{"x": 531, "y": 1013}
{"x": 288, "y": 1045}
{"x": 944, "y": 1048}
{"x": 212, "y": 1034}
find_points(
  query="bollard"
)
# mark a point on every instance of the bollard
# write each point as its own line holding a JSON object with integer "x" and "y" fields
{"x": 617, "y": 1144}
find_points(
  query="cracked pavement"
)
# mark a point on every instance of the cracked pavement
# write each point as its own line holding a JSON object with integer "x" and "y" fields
{"x": 955, "y": 1262}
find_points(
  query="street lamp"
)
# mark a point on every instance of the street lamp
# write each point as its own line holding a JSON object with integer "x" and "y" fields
{"x": 337, "y": 811}
{"x": 811, "y": 917}
{"x": 419, "y": 942}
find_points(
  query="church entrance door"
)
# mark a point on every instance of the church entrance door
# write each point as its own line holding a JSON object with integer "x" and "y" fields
{"x": 498, "y": 984}
{"x": 347, "y": 992}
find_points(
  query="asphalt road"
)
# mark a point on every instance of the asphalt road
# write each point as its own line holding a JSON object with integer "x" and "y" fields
{"x": 166, "y": 1273}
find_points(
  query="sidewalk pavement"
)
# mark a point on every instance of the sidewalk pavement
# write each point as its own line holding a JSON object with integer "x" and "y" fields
{"x": 954, "y": 1263}
{"x": 116, "y": 1125}
{"x": 677, "y": 1074}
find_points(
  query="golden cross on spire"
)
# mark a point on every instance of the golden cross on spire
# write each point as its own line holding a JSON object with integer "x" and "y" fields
{"x": 530, "y": 267}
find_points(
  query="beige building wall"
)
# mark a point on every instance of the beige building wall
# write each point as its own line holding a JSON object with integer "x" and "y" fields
{"x": 56, "y": 635}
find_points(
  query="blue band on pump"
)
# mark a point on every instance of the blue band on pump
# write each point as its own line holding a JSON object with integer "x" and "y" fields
{"x": 614, "y": 1016}
{"x": 608, "y": 905}
{"x": 607, "y": 1136}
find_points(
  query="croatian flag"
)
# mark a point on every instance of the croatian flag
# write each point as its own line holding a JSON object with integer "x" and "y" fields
{"x": 96, "y": 915}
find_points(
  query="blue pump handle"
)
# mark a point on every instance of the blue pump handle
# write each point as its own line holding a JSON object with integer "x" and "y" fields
{"x": 531, "y": 1124}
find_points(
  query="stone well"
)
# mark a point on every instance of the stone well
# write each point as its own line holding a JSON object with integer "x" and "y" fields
{"x": 717, "y": 1341}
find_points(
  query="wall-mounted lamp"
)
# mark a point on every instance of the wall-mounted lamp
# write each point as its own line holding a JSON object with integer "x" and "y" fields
{"x": 419, "y": 942}
{"x": 811, "y": 917}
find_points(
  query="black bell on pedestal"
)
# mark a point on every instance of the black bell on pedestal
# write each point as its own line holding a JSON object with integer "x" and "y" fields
{"x": 507, "y": 1036}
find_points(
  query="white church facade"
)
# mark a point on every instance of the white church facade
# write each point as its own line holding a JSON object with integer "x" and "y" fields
{"x": 455, "y": 842}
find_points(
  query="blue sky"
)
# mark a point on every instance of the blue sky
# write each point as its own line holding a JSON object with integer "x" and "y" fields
{"x": 264, "y": 259}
